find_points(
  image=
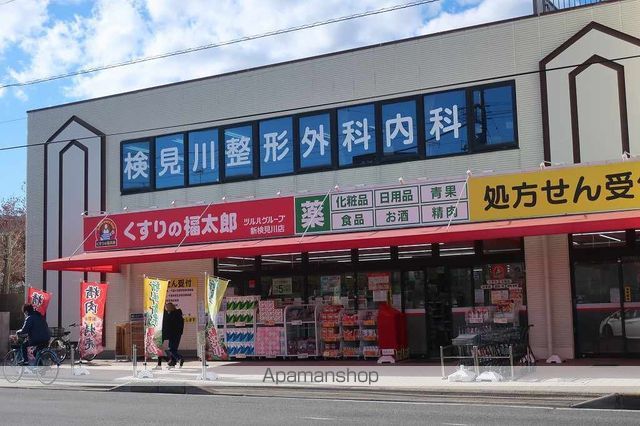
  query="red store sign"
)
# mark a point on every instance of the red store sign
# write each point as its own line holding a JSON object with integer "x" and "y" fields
{"x": 195, "y": 225}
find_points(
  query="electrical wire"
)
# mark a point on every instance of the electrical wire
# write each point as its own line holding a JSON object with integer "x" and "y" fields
{"x": 219, "y": 44}
{"x": 327, "y": 104}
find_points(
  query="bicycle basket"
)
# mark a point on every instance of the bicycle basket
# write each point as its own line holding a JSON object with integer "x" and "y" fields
{"x": 56, "y": 332}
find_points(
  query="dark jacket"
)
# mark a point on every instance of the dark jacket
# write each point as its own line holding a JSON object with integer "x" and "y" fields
{"x": 172, "y": 324}
{"x": 36, "y": 328}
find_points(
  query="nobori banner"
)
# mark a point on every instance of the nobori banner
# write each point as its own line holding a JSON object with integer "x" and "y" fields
{"x": 556, "y": 191}
{"x": 191, "y": 225}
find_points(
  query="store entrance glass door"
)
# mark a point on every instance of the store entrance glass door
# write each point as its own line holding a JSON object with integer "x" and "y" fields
{"x": 438, "y": 315}
{"x": 608, "y": 306}
{"x": 414, "y": 307}
{"x": 630, "y": 299}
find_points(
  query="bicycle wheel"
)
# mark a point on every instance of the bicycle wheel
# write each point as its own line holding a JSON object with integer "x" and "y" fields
{"x": 89, "y": 357}
{"x": 47, "y": 367}
{"x": 10, "y": 368}
{"x": 60, "y": 348}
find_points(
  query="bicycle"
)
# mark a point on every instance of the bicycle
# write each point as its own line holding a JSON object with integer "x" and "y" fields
{"x": 61, "y": 344}
{"x": 46, "y": 368}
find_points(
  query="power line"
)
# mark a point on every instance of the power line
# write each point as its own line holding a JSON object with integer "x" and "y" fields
{"x": 330, "y": 104}
{"x": 12, "y": 119}
{"x": 6, "y": 2}
{"x": 220, "y": 44}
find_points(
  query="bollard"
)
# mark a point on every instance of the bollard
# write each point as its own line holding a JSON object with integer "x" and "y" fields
{"x": 476, "y": 360}
{"x": 134, "y": 360}
{"x": 442, "y": 361}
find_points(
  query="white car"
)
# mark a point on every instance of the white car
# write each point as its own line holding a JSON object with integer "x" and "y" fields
{"x": 611, "y": 326}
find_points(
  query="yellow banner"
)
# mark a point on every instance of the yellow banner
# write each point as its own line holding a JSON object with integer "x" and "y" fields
{"x": 155, "y": 294}
{"x": 555, "y": 192}
{"x": 216, "y": 287}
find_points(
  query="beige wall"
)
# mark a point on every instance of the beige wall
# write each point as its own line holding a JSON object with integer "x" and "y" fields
{"x": 549, "y": 278}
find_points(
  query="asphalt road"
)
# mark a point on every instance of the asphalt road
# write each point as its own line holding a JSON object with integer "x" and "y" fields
{"x": 94, "y": 408}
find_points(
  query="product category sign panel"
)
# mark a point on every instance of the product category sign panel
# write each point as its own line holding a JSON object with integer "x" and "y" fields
{"x": 551, "y": 192}
{"x": 191, "y": 225}
{"x": 412, "y": 205}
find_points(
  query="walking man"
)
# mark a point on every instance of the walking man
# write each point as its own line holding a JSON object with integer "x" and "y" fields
{"x": 172, "y": 329}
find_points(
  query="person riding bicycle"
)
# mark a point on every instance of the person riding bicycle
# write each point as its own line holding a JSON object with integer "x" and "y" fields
{"x": 36, "y": 329}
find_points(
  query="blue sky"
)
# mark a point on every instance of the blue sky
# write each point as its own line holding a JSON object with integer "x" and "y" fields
{"x": 41, "y": 38}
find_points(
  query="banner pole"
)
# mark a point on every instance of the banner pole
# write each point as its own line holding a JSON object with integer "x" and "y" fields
{"x": 144, "y": 316}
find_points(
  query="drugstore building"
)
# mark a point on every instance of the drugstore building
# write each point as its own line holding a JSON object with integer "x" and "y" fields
{"x": 445, "y": 174}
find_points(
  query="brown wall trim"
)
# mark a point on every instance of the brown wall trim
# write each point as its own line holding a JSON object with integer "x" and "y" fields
{"x": 622, "y": 102}
{"x": 555, "y": 53}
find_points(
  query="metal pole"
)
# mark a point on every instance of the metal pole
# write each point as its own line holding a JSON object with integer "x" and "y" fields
{"x": 134, "y": 360}
{"x": 73, "y": 358}
{"x": 476, "y": 362}
{"x": 442, "y": 361}
{"x": 511, "y": 360}
{"x": 203, "y": 359}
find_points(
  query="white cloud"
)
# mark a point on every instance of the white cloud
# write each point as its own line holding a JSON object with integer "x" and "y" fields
{"x": 20, "y": 19}
{"x": 485, "y": 11}
{"x": 119, "y": 30}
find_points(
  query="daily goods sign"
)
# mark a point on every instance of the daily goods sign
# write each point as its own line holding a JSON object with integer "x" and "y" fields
{"x": 553, "y": 192}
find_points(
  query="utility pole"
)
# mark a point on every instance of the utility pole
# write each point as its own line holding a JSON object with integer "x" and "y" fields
{"x": 6, "y": 270}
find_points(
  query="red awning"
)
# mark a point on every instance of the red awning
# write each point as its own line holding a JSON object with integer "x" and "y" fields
{"x": 110, "y": 261}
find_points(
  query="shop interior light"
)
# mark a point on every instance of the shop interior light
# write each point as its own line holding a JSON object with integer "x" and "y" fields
{"x": 610, "y": 238}
{"x": 229, "y": 270}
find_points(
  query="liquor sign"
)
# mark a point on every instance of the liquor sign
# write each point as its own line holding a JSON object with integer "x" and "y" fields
{"x": 554, "y": 192}
{"x": 188, "y": 225}
{"x": 93, "y": 298}
{"x": 385, "y": 207}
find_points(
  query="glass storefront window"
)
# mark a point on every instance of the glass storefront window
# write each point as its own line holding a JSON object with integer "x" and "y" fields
{"x": 282, "y": 288}
{"x": 281, "y": 262}
{"x": 375, "y": 286}
{"x": 461, "y": 286}
{"x": 457, "y": 249}
{"x": 333, "y": 289}
{"x": 504, "y": 245}
{"x": 598, "y": 318}
{"x": 410, "y": 252}
{"x": 236, "y": 264}
{"x": 337, "y": 256}
{"x": 598, "y": 240}
{"x": 374, "y": 254}
{"x": 414, "y": 296}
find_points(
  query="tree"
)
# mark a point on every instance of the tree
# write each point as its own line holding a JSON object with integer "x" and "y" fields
{"x": 12, "y": 244}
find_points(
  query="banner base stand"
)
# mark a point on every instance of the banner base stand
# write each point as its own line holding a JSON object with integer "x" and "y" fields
{"x": 145, "y": 374}
{"x": 208, "y": 376}
{"x": 80, "y": 370}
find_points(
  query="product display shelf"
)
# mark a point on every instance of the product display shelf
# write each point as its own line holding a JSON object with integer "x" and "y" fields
{"x": 301, "y": 331}
{"x": 331, "y": 331}
{"x": 350, "y": 332}
{"x": 368, "y": 320}
{"x": 240, "y": 326}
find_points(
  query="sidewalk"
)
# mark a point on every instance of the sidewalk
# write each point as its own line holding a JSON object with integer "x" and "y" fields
{"x": 592, "y": 378}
